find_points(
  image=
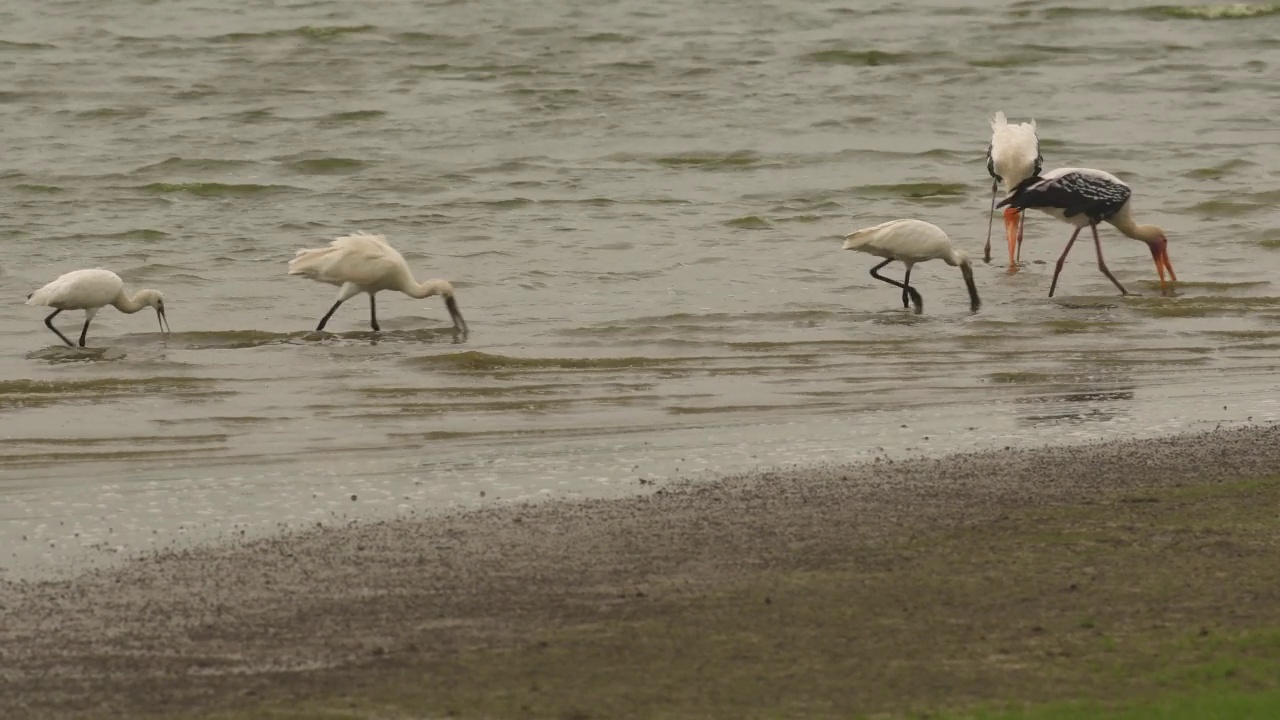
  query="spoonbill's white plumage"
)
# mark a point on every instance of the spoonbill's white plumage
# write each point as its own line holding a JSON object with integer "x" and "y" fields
{"x": 365, "y": 263}
{"x": 1012, "y": 156}
{"x": 1086, "y": 197}
{"x": 910, "y": 242}
{"x": 91, "y": 290}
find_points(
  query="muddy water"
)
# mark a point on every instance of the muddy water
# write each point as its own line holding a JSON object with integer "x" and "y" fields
{"x": 641, "y": 208}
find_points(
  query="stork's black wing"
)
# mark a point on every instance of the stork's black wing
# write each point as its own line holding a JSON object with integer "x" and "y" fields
{"x": 1074, "y": 193}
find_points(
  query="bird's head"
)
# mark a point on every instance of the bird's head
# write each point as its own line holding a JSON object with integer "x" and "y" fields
{"x": 153, "y": 298}
{"x": 1158, "y": 242}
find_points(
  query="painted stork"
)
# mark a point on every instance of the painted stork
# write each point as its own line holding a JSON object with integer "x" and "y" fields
{"x": 910, "y": 242}
{"x": 1086, "y": 197}
{"x": 1012, "y": 156}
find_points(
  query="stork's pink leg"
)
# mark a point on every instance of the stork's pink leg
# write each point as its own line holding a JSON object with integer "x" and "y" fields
{"x": 1103, "y": 265}
{"x": 1061, "y": 259}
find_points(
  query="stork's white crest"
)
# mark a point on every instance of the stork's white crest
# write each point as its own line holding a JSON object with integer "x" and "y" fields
{"x": 909, "y": 242}
{"x": 1012, "y": 156}
{"x": 90, "y": 291}
{"x": 365, "y": 263}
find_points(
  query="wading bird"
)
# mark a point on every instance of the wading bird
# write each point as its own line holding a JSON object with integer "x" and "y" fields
{"x": 1012, "y": 156}
{"x": 910, "y": 242}
{"x": 364, "y": 263}
{"x": 1086, "y": 197}
{"x": 90, "y": 291}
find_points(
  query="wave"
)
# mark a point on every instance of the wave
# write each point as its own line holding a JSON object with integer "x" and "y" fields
{"x": 1216, "y": 11}
{"x": 474, "y": 360}
{"x": 352, "y": 116}
{"x": 1210, "y": 11}
{"x": 327, "y": 166}
{"x": 181, "y": 164}
{"x": 35, "y": 393}
{"x": 1214, "y": 172}
{"x": 914, "y": 190}
{"x": 711, "y": 160}
{"x": 859, "y": 57}
{"x": 311, "y": 32}
{"x": 213, "y": 189}
{"x": 12, "y": 46}
{"x": 749, "y": 222}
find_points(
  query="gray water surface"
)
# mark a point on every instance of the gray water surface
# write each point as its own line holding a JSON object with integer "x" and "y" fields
{"x": 641, "y": 205}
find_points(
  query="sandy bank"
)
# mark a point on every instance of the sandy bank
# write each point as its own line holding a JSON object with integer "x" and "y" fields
{"x": 295, "y": 614}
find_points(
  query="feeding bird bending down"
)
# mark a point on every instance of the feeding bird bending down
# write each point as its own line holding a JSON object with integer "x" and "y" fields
{"x": 1012, "y": 156}
{"x": 90, "y": 291}
{"x": 1086, "y": 197}
{"x": 911, "y": 242}
{"x": 365, "y": 263}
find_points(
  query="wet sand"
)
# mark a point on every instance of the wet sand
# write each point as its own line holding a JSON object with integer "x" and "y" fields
{"x": 338, "y": 611}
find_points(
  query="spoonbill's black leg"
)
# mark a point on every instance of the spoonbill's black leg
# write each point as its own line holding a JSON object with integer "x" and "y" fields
{"x": 49, "y": 322}
{"x": 327, "y": 315}
{"x": 906, "y": 285}
{"x": 373, "y": 313}
{"x": 986, "y": 251}
{"x": 85, "y": 330}
{"x": 915, "y": 296}
{"x": 1022, "y": 220}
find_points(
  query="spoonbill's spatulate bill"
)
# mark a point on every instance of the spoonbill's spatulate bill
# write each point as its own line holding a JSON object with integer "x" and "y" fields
{"x": 365, "y": 263}
{"x": 910, "y": 242}
{"x": 91, "y": 290}
{"x": 1012, "y": 156}
{"x": 1086, "y": 197}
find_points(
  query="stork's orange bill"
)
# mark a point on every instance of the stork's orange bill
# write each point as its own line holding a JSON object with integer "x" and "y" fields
{"x": 1012, "y": 218}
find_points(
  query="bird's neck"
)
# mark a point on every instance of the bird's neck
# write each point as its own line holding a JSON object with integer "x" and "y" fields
{"x": 429, "y": 288}
{"x": 130, "y": 305}
{"x": 1125, "y": 224}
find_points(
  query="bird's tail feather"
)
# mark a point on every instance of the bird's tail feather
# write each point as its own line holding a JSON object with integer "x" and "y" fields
{"x": 1016, "y": 196}
{"x": 307, "y": 262}
{"x": 858, "y": 237}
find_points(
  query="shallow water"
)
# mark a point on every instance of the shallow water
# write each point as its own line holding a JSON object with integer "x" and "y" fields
{"x": 641, "y": 207}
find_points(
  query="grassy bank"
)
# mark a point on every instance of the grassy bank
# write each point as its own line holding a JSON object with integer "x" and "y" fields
{"x": 1160, "y": 604}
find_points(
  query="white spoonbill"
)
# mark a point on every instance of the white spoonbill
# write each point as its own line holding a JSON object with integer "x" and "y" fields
{"x": 1086, "y": 197}
{"x": 911, "y": 242}
{"x": 1012, "y": 156}
{"x": 365, "y": 263}
{"x": 90, "y": 291}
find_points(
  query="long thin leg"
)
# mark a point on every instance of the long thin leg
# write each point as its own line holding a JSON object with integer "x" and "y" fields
{"x": 906, "y": 285}
{"x": 1102, "y": 265}
{"x": 1022, "y": 221}
{"x": 373, "y": 313}
{"x": 991, "y": 216}
{"x": 49, "y": 322}
{"x": 85, "y": 330}
{"x": 327, "y": 315}
{"x": 919, "y": 301}
{"x": 1061, "y": 259}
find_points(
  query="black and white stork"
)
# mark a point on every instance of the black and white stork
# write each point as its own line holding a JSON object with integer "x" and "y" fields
{"x": 1012, "y": 156}
{"x": 1086, "y": 197}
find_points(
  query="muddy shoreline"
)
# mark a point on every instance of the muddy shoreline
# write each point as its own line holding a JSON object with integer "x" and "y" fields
{"x": 312, "y": 612}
